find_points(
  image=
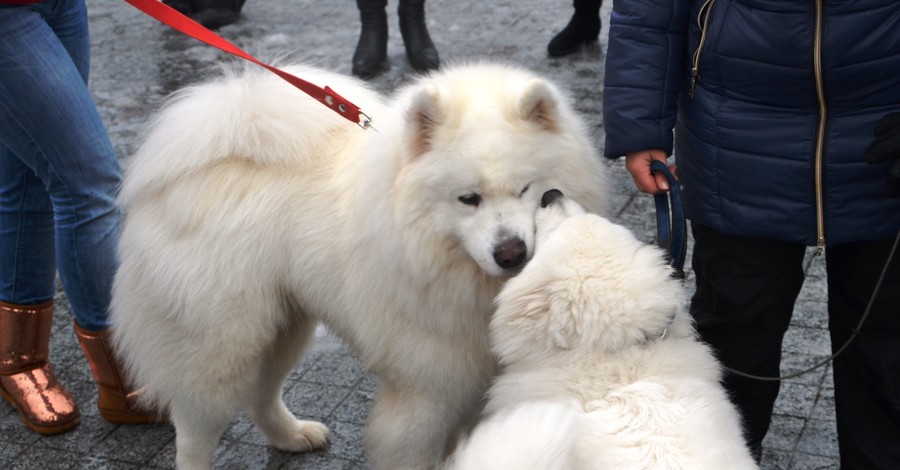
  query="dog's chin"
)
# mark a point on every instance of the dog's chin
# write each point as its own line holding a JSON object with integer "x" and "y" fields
{"x": 495, "y": 271}
{"x": 490, "y": 267}
{"x": 512, "y": 272}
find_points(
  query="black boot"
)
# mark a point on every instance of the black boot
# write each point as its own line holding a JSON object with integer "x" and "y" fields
{"x": 185, "y": 7}
{"x": 422, "y": 54}
{"x": 216, "y": 13}
{"x": 583, "y": 28}
{"x": 371, "y": 50}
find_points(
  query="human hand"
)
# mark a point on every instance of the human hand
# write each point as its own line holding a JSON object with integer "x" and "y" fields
{"x": 885, "y": 148}
{"x": 638, "y": 165}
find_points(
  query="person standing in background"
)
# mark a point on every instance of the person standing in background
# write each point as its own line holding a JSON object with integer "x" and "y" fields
{"x": 773, "y": 105}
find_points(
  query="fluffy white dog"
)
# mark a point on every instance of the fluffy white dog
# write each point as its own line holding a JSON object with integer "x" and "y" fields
{"x": 596, "y": 346}
{"x": 252, "y": 212}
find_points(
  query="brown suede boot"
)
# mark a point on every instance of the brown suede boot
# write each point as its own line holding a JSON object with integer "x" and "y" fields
{"x": 26, "y": 376}
{"x": 118, "y": 403}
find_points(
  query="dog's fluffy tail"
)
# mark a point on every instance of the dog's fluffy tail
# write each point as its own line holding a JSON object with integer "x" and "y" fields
{"x": 248, "y": 114}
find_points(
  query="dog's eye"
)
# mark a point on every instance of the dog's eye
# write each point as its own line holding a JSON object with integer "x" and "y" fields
{"x": 471, "y": 199}
{"x": 525, "y": 189}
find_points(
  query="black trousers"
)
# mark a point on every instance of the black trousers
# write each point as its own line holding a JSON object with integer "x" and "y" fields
{"x": 744, "y": 299}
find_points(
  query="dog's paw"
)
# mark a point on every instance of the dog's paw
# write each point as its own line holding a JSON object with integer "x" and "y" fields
{"x": 303, "y": 437}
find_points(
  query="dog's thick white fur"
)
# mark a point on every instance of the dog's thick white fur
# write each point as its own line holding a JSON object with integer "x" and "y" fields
{"x": 593, "y": 331}
{"x": 252, "y": 212}
{"x": 534, "y": 436}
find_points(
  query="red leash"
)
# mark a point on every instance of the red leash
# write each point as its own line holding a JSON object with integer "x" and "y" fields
{"x": 171, "y": 17}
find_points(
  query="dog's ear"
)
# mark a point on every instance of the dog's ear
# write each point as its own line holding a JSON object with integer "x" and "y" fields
{"x": 424, "y": 115}
{"x": 525, "y": 324}
{"x": 539, "y": 104}
{"x": 554, "y": 210}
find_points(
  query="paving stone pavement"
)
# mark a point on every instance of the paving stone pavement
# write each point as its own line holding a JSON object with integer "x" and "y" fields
{"x": 137, "y": 62}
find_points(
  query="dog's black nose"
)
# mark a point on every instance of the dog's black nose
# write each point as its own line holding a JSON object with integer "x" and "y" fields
{"x": 550, "y": 196}
{"x": 510, "y": 253}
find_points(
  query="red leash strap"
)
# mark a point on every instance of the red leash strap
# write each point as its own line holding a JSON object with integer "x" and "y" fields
{"x": 171, "y": 17}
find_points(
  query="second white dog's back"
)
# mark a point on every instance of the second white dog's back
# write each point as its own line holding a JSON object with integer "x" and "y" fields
{"x": 534, "y": 436}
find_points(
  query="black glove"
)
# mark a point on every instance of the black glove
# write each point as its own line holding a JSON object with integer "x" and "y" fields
{"x": 885, "y": 148}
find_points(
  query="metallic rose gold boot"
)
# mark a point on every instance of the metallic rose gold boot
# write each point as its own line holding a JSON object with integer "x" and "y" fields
{"x": 26, "y": 376}
{"x": 118, "y": 403}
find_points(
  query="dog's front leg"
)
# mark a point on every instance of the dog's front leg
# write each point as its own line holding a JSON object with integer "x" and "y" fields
{"x": 411, "y": 430}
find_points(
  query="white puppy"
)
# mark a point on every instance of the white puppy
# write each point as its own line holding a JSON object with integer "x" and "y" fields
{"x": 594, "y": 330}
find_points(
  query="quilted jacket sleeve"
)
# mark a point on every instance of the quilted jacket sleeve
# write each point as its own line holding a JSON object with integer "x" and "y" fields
{"x": 645, "y": 62}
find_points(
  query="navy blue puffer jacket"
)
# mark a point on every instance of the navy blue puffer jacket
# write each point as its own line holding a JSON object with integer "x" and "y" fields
{"x": 772, "y": 127}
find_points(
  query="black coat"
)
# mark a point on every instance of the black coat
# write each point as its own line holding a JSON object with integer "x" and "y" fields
{"x": 772, "y": 129}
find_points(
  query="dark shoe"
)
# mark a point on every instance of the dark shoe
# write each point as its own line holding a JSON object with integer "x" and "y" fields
{"x": 371, "y": 50}
{"x": 185, "y": 7}
{"x": 420, "y": 51}
{"x": 214, "y": 14}
{"x": 583, "y": 28}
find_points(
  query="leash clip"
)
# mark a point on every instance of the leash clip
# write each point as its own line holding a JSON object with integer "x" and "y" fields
{"x": 365, "y": 122}
{"x": 343, "y": 106}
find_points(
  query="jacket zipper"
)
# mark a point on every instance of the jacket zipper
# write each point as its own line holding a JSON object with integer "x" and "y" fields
{"x": 703, "y": 20}
{"x": 820, "y": 133}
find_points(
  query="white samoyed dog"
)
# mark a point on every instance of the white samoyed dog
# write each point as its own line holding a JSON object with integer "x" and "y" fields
{"x": 252, "y": 212}
{"x": 601, "y": 367}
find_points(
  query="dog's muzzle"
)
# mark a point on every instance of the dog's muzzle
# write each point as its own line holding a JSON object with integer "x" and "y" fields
{"x": 510, "y": 253}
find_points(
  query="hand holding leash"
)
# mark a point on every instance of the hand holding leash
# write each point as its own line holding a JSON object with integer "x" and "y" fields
{"x": 639, "y": 164}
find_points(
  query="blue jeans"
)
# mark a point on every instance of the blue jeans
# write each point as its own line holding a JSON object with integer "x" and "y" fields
{"x": 58, "y": 171}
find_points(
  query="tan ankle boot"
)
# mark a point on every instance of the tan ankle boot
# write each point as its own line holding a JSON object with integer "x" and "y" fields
{"x": 26, "y": 376}
{"x": 118, "y": 403}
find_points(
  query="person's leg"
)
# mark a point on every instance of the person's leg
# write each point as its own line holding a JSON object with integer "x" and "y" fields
{"x": 420, "y": 50}
{"x": 867, "y": 373}
{"x": 214, "y": 13}
{"x": 27, "y": 251}
{"x": 746, "y": 289}
{"x": 51, "y": 124}
{"x": 583, "y": 27}
{"x": 371, "y": 50}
